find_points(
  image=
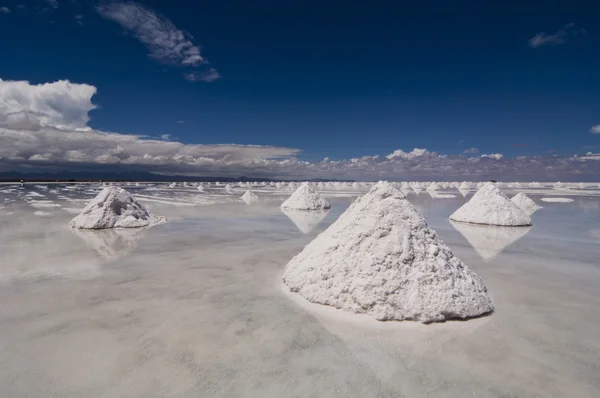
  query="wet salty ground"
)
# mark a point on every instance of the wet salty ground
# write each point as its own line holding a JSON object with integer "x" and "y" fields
{"x": 195, "y": 307}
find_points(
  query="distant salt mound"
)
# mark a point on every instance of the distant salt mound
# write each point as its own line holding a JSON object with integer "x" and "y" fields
{"x": 249, "y": 197}
{"x": 489, "y": 206}
{"x": 525, "y": 203}
{"x": 381, "y": 258}
{"x": 465, "y": 185}
{"x": 114, "y": 208}
{"x": 557, "y": 200}
{"x": 306, "y": 198}
{"x": 433, "y": 187}
{"x": 200, "y": 188}
{"x": 173, "y": 185}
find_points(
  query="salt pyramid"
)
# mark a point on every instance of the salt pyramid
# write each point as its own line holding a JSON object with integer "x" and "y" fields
{"x": 525, "y": 203}
{"x": 306, "y": 198}
{"x": 489, "y": 206}
{"x": 433, "y": 187}
{"x": 200, "y": 188}
{"x": 114, "y": 208}
{"x": 249, "y": 197}
{"x": 173, "y": 185}
{"x": 381, "y": 258}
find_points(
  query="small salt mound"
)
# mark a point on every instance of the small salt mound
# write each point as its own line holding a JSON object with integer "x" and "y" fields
{"x": 306, "y": 198}
{"x": 173, "y": 185}
{"x": 557, "y": 200}
{"x": 200, "y": 188}
{"x": 465, "y": 185}
{"x": 228, "y": 188}
{"x": 114, "y": 208}
{"x": 249, "y": 197}
{"x": 489, "y": 206}
{"x": 525, "y": 203}
{"x": 433, "y": 187}
{"x": 381, "y": 258}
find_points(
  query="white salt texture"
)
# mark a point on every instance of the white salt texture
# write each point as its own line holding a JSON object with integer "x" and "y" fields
{"x": 489, "y": 206}
{"x": 381, "y": 258}
{"x": 525, "y": 203}
{"x": 114, "y": 208}
{"x": 306, "y": 198}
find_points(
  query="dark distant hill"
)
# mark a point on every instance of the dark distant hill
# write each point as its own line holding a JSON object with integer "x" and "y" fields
{"x": 125, "y": 176}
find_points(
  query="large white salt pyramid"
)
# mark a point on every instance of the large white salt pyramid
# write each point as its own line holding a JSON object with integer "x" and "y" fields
{"x": 114, "y": 208}
{"x": 525, "y": 203}
{"x": 306, "y": 198}
{"x": 249, "y": 197}
{"x": 381, "y": 258}
{"x": 489, "y": 206}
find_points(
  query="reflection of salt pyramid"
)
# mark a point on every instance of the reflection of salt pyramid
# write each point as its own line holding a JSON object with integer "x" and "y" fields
{"x": 114, "y": 208}
{"x": 490, "y": 240}
{"x": 306, "y": 221}
{"x": 249, "y": 197}
{"x": 525, "y": 203}
{"x": 381, "y": 258}
{"x": 489, "y": 206}
{"x": 113, "y": 243}
{"x": 306, "y": 198}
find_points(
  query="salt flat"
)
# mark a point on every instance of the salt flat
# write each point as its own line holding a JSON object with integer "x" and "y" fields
{"x": 195, "y": 307}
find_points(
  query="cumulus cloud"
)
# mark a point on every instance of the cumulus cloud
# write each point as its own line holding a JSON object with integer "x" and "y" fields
{"x": 471, "y": 151}
{"x": 595, "y": 129}
{"x": 559, "y": 37}
{"x": 44, "y": 128}
{"x": 495, "y": 156}
{"x": 165, "y": 42}
{"x": 60, "y": 104}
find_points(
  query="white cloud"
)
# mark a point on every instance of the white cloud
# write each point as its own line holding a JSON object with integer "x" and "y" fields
{"x": 165, "y": 42}
{"x": 595, "y": 129}
{"x": 4, "y": 10}
{"x": 44, "y": 128}
{"x": 471, "y": 151}
{"x": 60, "y": 104}
{"x": 52, "y": 3}
{"x": 209, "y": 75}
{"x": 559, "y": 37}
{"x": 399, "y": 153}
{"x": 495, "y": 156}
{"x": 79, "y": 19}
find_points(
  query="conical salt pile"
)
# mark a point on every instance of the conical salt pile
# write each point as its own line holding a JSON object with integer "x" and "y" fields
{"x": 249, "y": 197}
{"x": 433, "y": 187}
{"x": 489, "y": 206}
{"x": 114, "y": 208}
{"x": 173, "y": 185}
{"x": 380, "y": 258}
{"x": 525, "y": 203}
{"x": 306, "y": 198}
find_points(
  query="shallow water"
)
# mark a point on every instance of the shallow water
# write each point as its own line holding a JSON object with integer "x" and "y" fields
{"x": 195, "y": 307}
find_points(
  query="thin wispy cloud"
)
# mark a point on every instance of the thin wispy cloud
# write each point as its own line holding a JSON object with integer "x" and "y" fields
{"x": 561, "y": 36}
{"x": 164, "y": 41}
{"x": 52, "y": 3}
{"x": 209, "y": 75}
{"x": 595, "y": 129}
{"x": 79, "y": 19}
{"x": 4, "y": 10}
{"x": 471, "y": 151}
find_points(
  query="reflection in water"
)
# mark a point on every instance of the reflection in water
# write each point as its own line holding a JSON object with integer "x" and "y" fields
{"x": 489, "y": 241}
{"x": 111, "y": 243}
{"x": 464, "y": 192}
{"x": 306, "y": 220}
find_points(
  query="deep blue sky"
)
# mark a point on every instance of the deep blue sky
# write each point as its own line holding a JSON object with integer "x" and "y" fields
{"x": 333, "y": 78}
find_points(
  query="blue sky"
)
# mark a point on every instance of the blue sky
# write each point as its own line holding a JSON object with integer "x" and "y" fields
{"x": 330, "y": 78}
